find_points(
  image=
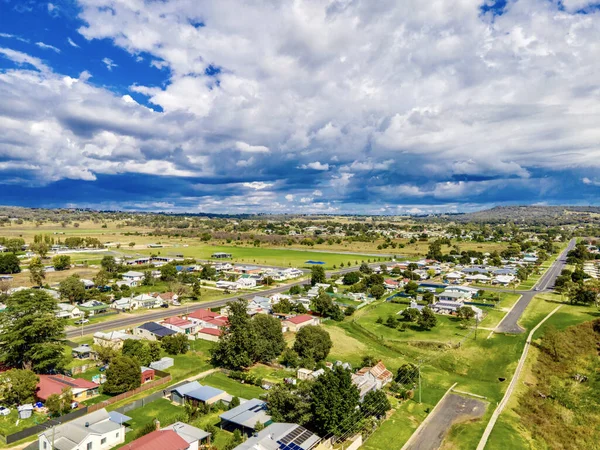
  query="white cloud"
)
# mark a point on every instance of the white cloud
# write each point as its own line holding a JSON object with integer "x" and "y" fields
{"x": 23, "y": 58}
{"x": 590, "y": 182}
{"x": 317, "y": 193}
{"x": 110, "y": 65}
{"x": 72, "y": 43}
{"x": 244, "y": 147}
{"x": 257, "y": 185}
{"x": 315, "y": 165}
{"x": 289, "y": 197}
{"x": 47, "y": 47}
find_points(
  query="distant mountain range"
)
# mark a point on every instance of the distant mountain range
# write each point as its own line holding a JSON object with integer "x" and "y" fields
{"x": 542, "y": 215}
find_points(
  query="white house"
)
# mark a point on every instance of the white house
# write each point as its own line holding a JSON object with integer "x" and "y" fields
{"x": 133, "y": 277}
{"x": 229, "y": 285}
{"x": 94, "y": 431}
{"x": 145, "y": 301}
{"x": 68, "y": 311}
{"x": 246, "y": 282}
{"x": 504, "y": 280}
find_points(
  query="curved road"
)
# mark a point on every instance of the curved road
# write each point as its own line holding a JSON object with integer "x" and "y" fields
{"x": 510, "y": 322}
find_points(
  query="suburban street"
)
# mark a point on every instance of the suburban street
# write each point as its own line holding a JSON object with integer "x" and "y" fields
{"x": 510, "y": 322}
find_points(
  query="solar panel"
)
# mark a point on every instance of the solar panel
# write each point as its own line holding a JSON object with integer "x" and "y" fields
{"x": 63, "y": 381}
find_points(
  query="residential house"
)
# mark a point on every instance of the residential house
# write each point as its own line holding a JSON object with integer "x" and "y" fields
{"x": 245, "y": 416}
{"x": 281, "y": 436}
{"x": 296, "y": 323}
{"x": 145, "y": 301}
{"x": 94, "y": 431}
{"x": 227, "y": 285}
{"x": 391, "y": 284}
{"x": 370, "y": 379}
{"x": 114, "y": 339}
{"x": 67, "y": 311}
{"x": 88, "y": 284}
{"x": 93, "y": 307}
{"x": 123, "y": 304}
{"x": 179, "y": 325}
{"x": 478, "y": 278}
{"x": 167, "y": 297}
{"x": 83, "y": 351}
{"x": 469, "y": 291}
{"x": 159, "y": 440}
{"x": 54, "y": 384}
{"x": 504, "y": 280}
{"x": 209, "y": 334}
{"x": 453, "y": 296}
{"x": 133, "y": 278}
{"x": 195, "y": 393}
{"x": 205, "y": 318}
{"x": 192, "y": 435}
{"x": 152, "y": 331}
{"x": 246, "y": 281}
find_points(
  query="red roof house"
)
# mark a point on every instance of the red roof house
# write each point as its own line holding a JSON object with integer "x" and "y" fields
{"x": 297, "y": 322}
{"x": 159, "y": 440}
{"x": 54, "y": 384}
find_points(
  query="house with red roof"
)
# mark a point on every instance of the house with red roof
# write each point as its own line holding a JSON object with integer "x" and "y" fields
{"x": 179, "y": 436}
{"x": 209, "y": 334}
{"x": 391, "y": 284}
{"x": 179, "y": 325}
{"x": 205, "y": 318}
{"x": 298, "y": 322}
{"x": 371, "y": 378}
{"x": 55, "y": 384}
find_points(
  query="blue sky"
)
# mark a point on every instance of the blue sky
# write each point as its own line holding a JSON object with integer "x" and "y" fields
{"x": 299, "y": 106}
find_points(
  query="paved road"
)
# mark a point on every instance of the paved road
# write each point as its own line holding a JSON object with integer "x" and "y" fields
{"x": 510, "y": 322}
{"x": 135, "y": 319}
{"x": 452, "y": 409}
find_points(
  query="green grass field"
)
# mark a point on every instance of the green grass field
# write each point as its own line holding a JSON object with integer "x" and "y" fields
{"x": 232, "y": 387}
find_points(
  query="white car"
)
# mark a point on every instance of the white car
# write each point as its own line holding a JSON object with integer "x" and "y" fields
{"x": 176, "y": 303}
{"x": 82, "y": 321}
{"x": 4, "y": 411}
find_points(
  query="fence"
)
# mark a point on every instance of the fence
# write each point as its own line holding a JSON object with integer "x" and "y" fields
{"x": 124, "y": 395}
{"x": 40, "y": 428}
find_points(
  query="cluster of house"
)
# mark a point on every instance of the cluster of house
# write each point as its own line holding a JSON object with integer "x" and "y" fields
{"x": 451, "y": 299}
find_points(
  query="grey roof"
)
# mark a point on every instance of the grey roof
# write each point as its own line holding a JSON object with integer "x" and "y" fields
{"x": 189, "y": 433}
{"x": 71, "y": 434}
{"x": 281, "y": 436}
{"x": 248, "y": 414}
{"x": 83, "y": 349}
{"x": 185, "y": 388}
{"x": 117, "y": 417}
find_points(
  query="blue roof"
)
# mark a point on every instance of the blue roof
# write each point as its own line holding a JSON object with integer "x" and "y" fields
{"x": 204, "y": 393}
{"x": 157, "y": 329}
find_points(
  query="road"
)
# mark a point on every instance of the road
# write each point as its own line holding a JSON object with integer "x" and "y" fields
{"x": 149, "y": 316}
{"x": 510, "y": 322}
{"x": 452, "y": 409}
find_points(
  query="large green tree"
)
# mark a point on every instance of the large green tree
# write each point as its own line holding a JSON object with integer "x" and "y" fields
{"x": 427, "y": 319}
{"x": 61, "y": 262}
{"x": 17, "y": 386}
{"x": 138, "y": 350}
{"x": 37, "y": 274}
{"x": 9, "y": 263}
{"x": 122, "y": 375}
{"x": 317, "y": 275}
{"x": 375, "y": 403}
{"x": 312, "y": 342}
{"x": 289, "y": 403}
{"x": 237, "y": 345}
{"x": 109, "y": 264}
{"x": 323, "y": 305}
{"x": 333, "y": 402}
{"x": 269, "y": 338}
{"x": 177, "y": 344}
{"x": 31, "y": 336}
{"x": 72, "y": 289}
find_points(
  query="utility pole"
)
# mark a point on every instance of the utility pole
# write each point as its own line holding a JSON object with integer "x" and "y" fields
{"x": 419, "y": 366}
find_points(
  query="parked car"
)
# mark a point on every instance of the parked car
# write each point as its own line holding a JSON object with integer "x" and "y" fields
{"x": 103, "y": 368}
{"x": 164, "y": 305}
{"x": 4, "y": 411}
{"x": 176, "y": 303}
{"x": 82, "y": 321}
{"x": 74, "y": 405}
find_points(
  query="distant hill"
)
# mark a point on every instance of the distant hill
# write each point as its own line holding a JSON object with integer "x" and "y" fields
{"x": 541, "y": 215}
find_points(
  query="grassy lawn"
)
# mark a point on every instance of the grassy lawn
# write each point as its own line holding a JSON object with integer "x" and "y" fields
{"x": 11, "y": 424}
{"x": 161, "y": 409}
{"x": 271, "y": 374}
{"x": 260, "y": 255}
{"x": 232, "y": 387}
{"x": 193, "y": 362}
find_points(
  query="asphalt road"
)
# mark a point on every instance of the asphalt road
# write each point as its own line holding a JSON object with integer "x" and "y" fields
{"x": 510, "y": 322}
{"x": 453, "y": 408}
{"x": 149, "y": 316}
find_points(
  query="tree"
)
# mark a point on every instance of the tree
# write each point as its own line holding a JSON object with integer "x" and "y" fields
{"x": 102, "y": 278}
{"x": 105, "y": 353}
{"x": 427, "y": 319}
{"x": 290, "y": 404}
{"x": 236, "y": 346}
{"x": 176, "y": 344}
{"x": 411, "y": 287}
{"x": 351, "y": 278}
{"x": 72, "y": 289}
{"x": 428, "y": 297}
{"x": 168, "y": 272}
{"x": 391, "y": 322}
{"x": 41, "y": 248}
{"x": 334, "y": 399}
{"x": 14, "y": 245}
{"x": 9, "y": 263}
{"x": 317, "y": 275}
{"x": 235, "y": 402}
{"x": 375, "y": 403}
{"x": 31, "y": 336}
{"x": 122, "y": 375}
{"x": 369, "y": 361}
{"x": 236, "y": 440}
{"x": 323, "y": 305}
{"x": 581, "y": 294}
{"x": 312, "y": 342}
{"x": 59, "y": 404}
{"x": 18, "y": 386}
{"x": 551, "y": 342}
{"x": 37, "y": 274}
{"x": 109, "y": 264}
{"x": 154, "y": 350}
{"x": 269, "y": 338}
{"x": 137, "y": 350}
{"x": 295, "y": 290}
{"x": 465, "y": 313}
{"x": 377, "y": 291}
{"x": 61, "y": 262}
{"x": 289, "y": 358}
{"x": 208, "y": 272}
{"x": 407, "y": 374}
{"x": 364, "y": 268}
{"x": 410, "y": 314}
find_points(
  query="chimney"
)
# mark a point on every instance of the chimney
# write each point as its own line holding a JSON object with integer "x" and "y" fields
{"x": 157, "y": 424}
